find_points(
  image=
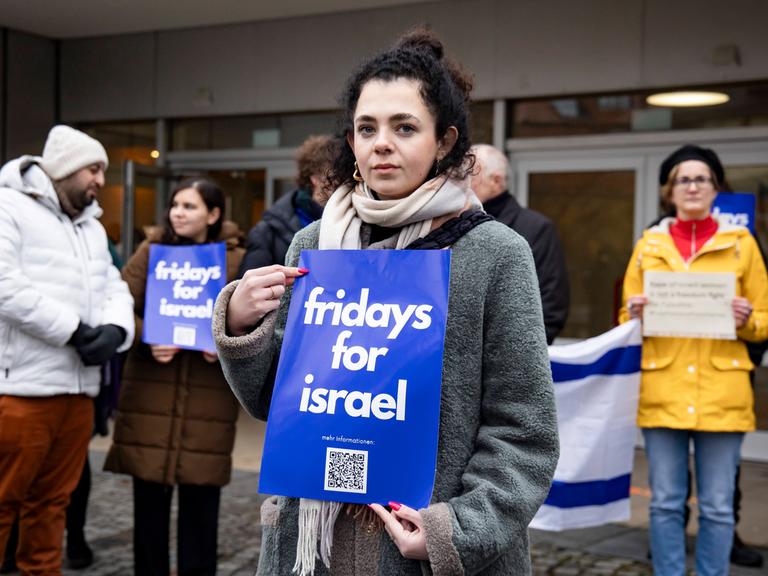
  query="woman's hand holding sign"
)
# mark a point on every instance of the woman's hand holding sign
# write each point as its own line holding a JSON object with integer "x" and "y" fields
{"x": 210, "y": 356}
{"x": 406, "y": 528}
{"x": 636, "y": 304}
{"x": 742, "y": 310}
{"x": 162, "y": 353}
{"x": 258, "y": 294}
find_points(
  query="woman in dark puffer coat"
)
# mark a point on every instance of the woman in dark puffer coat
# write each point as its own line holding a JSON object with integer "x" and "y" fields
{"x": 176, "y": 417}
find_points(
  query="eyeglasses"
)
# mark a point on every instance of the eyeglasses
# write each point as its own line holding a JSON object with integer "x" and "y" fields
{"x": 700, "y": 181}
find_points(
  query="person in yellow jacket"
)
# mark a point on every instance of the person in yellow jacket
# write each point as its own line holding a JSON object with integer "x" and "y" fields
{"x": 696, "y": 389}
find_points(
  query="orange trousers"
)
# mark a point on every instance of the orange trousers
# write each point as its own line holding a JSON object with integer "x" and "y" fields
{"x": 43, "y": 444}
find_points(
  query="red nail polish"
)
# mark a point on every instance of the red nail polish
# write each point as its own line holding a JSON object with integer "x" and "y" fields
{"x": 303, "y": 270}
{"x": 395, "y": 506}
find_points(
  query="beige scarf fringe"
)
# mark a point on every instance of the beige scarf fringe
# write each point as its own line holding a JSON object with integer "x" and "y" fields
{"x": 317, "y": 515}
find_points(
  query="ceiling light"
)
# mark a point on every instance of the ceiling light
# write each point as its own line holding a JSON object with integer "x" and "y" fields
{"x": 687, "y": 99}
{"x": 155, "y": 154}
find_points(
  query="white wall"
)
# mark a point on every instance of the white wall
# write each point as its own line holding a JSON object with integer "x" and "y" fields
{"x": 515, "y": 48}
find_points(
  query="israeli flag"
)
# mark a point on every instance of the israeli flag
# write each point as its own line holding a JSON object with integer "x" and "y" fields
{"x": 597, "y": 385}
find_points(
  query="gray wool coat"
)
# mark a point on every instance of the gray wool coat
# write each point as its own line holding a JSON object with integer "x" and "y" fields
{"x": 498, "y": 444}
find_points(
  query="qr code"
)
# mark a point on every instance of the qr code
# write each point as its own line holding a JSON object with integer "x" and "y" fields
{"x": 184, "y": 335}
{"x": 346, "y": 470}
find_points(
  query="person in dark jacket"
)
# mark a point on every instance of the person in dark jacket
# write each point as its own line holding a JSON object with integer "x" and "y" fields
{"x": 489, "y": 183}
{"x": 268, "y": 241}
{"x": 175, "y": 424}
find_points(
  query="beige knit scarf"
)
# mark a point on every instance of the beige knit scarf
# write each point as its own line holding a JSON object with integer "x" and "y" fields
{"x": 425, "y": 209}
{"x": 417, "y": 214}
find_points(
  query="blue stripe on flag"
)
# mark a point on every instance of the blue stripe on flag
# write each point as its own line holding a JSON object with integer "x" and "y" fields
{"x": 624, "y": 360}
{"x": 593, "y": 493}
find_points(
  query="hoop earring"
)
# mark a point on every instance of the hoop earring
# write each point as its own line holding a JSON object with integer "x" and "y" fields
{"x": 356, "y": 174}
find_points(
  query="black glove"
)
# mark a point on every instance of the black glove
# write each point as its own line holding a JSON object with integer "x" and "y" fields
{"x": 81, "y": 335}
{"x": 101, "y": 344}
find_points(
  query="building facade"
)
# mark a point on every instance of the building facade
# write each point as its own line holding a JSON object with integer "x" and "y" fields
{"x": 561, "y": 86}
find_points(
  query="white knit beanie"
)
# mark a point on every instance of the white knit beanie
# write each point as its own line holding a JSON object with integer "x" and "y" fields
{"x": 68, "y": 150}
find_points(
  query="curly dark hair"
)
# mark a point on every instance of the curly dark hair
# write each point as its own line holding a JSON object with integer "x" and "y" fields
{"x": 212, "y": 196}
{"x": 445, "y": 88}
{"x": 313, "y": 158}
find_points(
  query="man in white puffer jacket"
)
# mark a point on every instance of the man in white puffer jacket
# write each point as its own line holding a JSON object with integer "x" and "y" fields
{"x": 64, "y": 311}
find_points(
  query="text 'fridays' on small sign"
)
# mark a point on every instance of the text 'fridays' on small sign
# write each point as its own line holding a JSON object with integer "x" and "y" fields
{"x": 182, "y": 285}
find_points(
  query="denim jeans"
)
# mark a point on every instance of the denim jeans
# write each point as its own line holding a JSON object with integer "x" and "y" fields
{"x": 716, "y": 456}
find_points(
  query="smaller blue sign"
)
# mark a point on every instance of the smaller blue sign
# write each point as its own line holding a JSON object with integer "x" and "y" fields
{"x": 736, "y": 208}
{"x": 182, "y": 285}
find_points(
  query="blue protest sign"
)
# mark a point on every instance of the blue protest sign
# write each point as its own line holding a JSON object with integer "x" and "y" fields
{"x": 356, "y": 405}
{"x": 735, "y": 208}
{"x": 182, "y": 285}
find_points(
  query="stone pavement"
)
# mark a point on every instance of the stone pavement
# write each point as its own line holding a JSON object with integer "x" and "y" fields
{"x": 622, "y": 549}
{"x": 614, "y": 549}
{"x": 618, "y": 550}
{"x": 109, "y": 529}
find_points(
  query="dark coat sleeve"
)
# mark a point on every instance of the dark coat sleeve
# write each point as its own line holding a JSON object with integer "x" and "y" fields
{"x": 553, "y": 278}
{"x": 757, "y": 349}
{"x": 135, "y": 275}
{"x": 259, "y": 248}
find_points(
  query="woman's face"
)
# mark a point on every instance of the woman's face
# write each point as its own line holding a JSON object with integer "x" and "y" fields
{"x": 394, "y": 138}
{"x": 693, "y": 190}
{"x": 190, "y": 216}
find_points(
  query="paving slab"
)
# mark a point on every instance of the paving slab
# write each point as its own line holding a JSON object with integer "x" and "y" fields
{"x": 612, "y": 550}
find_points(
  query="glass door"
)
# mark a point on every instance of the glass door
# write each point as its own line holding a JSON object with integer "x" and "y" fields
{"x": 144, "y": 194}
{"x": 245, "y": 195}
{"x": 252, "y": 180}
{"x": 593, "y": 204}
{"x": 145, "y": 191}
{"x": 281, "y": 179}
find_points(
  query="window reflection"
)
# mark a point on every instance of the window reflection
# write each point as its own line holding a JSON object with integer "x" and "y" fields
{"x": 252, "y": 131}
{"x": 601, "y": 114}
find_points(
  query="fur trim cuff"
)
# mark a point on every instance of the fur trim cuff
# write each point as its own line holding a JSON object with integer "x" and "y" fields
{"x": 438, "y": 526}
{"x": 239, "y": 347}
